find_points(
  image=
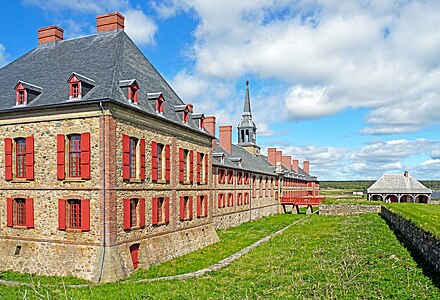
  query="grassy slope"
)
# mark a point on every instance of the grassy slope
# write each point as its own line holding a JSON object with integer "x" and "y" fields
{"x": 425, "y": 216}
{"x": 321, "y": 257}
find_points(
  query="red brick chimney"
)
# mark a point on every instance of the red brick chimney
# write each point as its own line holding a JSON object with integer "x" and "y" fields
{"x": 210, "y": 124}
{"x": 286, "y": 160}
{"x": 279, "y": 155}
{"x": 271, "y": 156}
{"x": 225, "y": 133}
{"x": 295, "y": 163}
{"x": 110, "y": 21}
{"x": 306, "y": 166}
{"x": 50, "y": 34}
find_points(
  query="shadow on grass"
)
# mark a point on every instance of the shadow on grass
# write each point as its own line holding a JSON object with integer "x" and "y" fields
{"x": 417, "y": 256}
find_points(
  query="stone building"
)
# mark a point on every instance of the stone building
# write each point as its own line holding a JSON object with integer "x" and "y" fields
{"x": 105, "y": 169}
{"x": 399, "y": 188}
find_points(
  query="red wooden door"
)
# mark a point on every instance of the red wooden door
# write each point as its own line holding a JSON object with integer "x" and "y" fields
{"x": 134, "y": 250}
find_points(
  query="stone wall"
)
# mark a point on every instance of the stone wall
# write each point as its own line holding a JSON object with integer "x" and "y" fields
{"x": 347, "y": 209}
{"x": 424, "y": 242}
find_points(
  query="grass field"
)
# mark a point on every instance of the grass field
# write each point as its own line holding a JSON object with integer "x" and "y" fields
{"x": 320, "y": 257}
{"x": 424, "y": 216}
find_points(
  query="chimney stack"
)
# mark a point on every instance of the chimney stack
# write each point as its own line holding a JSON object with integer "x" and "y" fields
{"x": 271, "y": 156}
{"x": 225, "y": 133}
{"x": 306, "y": 166}
{"x": 279, "y": 155}
{"x": 50, "y": 34}
{"x": 110, "y": 21}
{"x": 210, "y": 127}
{"x": 295, "y": 163}
{"x": 286, "y": 161}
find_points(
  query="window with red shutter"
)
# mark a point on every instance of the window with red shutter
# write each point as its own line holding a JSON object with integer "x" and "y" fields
{"x": 74, "y": 155}
{"x": 74, "y": 214}
{"x": 20, "y": 212}
{"x": 20, "y": 158}
{"x": 127, "y": 213}
{"x": 85, "y": 155}
{"x": 181, "y": 165}
{"x": 154, "y": 161}
{"x": 30, "y": 158}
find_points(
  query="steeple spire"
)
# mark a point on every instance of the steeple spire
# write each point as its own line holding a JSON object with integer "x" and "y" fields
{"x": 247, "y": 102}
{"x": 247, "y": 131}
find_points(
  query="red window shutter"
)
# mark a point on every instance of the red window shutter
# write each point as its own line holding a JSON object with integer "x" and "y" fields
{"x": 8, "y": 159}
{"x": 142, "y": 212}
{"x": 125, "y": 157}
{"x": 9, "y": 219}
{"x": 61, "y": 214}
{"x": 206, "y": 167}
{"x": 61, "y": 157}
{"x": 30, "y": 213}
{"x": 206, "y": 205}
{"x": 154, "y": 212}
{"x": 181, "y": 164}
{"x": 199, "y": 168}
{"x": 219, "y": 201}
{"x": 199, "y": 206}
{"x": 126, "y": 213}
{"x": 191, "y": 166}
{"x": 85, "y": 155}
{"x": 182, "y": 208}
{"x": 167, "y": 209}
{"x": 142, "y": 156}
{"x": 30, "y": 158}
{"x": 190, "y": 203}
{"x": 154, "y": 162}
{"x": 167, "y": 163}
{"x": 85, "y": 215}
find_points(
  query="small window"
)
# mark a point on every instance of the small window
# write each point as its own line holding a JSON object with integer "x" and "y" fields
{"x": 74, "y": 155}
{"x": 21, "y": 99}
{"x": 159, "y": 105}
{"x": 246, "y": 198}
{"x": 221, "y": 176}
{"x": 202, "y": 206}
{"x": 133, "y": 157}
{"x": 239, "y": 177}
{"x": 74, "y": 214}
{"x": 185, "y": 114}
{"x": 185, "y": 208}
{"x": 76, "y": 90}
{"x": 20, "y": 212}
{"x": 133, "y": 93}
{"x": 221, "y": 201}
{"x": 161, "y": 210}
{"x": 134, "y": 212}
{"x": 230, "y": 176}
{"x": 160, "y": 162}
{"x": 230, "y": 199}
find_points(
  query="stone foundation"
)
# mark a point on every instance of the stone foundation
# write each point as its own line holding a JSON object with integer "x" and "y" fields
{"x": 347, "y": 209}
{"x": 424, "y": 242}
{"x": 236, "y": 218}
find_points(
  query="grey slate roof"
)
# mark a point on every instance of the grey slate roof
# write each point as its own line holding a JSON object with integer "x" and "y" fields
{"x": 398, "y": 183}
{"x": 107, "y": 58}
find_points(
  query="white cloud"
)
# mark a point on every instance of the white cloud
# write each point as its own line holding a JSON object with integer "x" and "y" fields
{"x": 3, "y": 56}
{"x": 139, "y": 27}
{"x": 331, "y": 55}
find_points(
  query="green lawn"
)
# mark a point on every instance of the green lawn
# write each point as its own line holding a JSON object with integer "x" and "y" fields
{"x": 354, "y": 257}
{"x": 351, "y": 200}
{"x": 424, "y": 216}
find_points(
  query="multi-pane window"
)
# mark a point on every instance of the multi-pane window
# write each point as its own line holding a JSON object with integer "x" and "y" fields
{"x": 186, "y": 164}
{"x": 75, "y": 90}
{"x": 133, "y": 212}
{"x": 160, "y": 162}
{"x": 19, "y": 211}
{"x": 20, "y": 158}
{"x": 21, "y": 98}
{"x": 74, "y": 214}
{"x": 133, "y": 157}
{"x": 75, "y": 155}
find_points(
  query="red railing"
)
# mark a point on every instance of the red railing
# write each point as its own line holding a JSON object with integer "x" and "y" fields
{"x": 302, "y": 200}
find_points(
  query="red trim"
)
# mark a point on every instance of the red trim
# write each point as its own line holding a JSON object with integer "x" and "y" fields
{"x": 85, "y": 155}
{"x": 142, "y": 157}
{"x": 167, "y": 163}
{"x": 30, "y": 158}
{"x": 9, "y": 212}
{"x": 154, "y": 211}
{"x": 85, "y": 215}
{"x": 61, "y": 174}
{"x": 199, "y": 167}
{"x": 125, "y": 157}
{"x": 181, "y": 164}
{"x": 142, "y": 212}
{"x": 30, "y": 213}
{"x": 126, "y": 204}
{"x": 61, "y": 214}
{"x": 154, "y": 159}
{"x": 8, "y": 159}
{"x": 182, "y": 208}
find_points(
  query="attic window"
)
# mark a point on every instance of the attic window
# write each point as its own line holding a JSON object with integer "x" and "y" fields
{"x": 26, "y": 92}
{"x": 185, "y": 109}
{"x": 79, "y": 86}
{"x": 200, "y": 119}
{"x": 158, "y": 101}
{"x": 131, "y": 88}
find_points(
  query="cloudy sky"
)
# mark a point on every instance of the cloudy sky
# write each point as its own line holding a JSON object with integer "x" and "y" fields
{"x": 353, "y": 86}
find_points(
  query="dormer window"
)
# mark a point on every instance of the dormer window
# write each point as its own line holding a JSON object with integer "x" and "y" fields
{"x": 185, "y": 116}
{"x": 200, "y": 119}
{"x": 185, "y": 109}
{"x": 79, "y": 86}
{"x": 26, "y": 92}
{"x": 158, "y": 101}
{"x": 131, "y": 88}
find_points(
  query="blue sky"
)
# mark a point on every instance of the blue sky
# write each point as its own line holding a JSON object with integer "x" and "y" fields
{"x": 352, "y": 86}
